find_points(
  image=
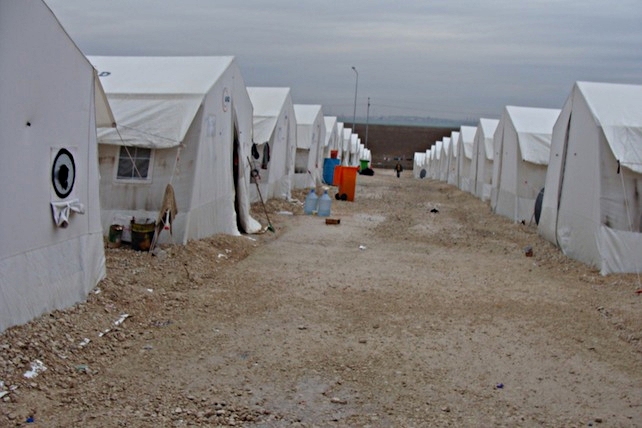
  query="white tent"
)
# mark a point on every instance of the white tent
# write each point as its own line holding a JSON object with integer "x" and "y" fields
{"x": 418, "y": 164}
{"x": 339, "y": 143}
{"x": 358, "y": 152}
{"x": 354, "y": 148}
{"x": 310, "y": 137}
{"x": 436, "y": 160}
{"x": 275, "y": 139}
{"x": 453, "y": 154}
{"x": 481, "y": 168}
{"x": 444, "y": 162}
{"x": 331, "y": 135}
{"x": 367, "y": 155}
{"x": 344, "y": 153}
{"x": 184, "y": 121}
{"x": 427, "y": 161}
{"x": 51, "y": 241}
{"x": 465, "y": 144}
{"x": 591, "y": 206}
{"x": 433, "y": 169}
{"x": 521, "y": 144}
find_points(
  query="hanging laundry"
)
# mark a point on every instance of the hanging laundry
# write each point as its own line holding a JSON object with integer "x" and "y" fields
{"x": 255, "y": 151}
{"x": 266, "y": 156}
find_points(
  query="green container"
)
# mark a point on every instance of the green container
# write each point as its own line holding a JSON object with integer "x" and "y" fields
{"x": 115, "y": 235}
{"x": 364, "y": 164}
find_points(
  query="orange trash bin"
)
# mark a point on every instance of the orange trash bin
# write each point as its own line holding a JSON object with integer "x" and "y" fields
{"x": 336, "y": 177}
{"x": 348, "y": 182}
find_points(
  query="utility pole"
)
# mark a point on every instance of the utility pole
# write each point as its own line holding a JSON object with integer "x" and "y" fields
{"x": 354, "y": 114}
{"x": 367, "y": 120}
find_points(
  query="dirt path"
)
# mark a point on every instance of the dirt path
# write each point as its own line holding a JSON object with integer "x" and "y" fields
{"x": 395, "y": 317}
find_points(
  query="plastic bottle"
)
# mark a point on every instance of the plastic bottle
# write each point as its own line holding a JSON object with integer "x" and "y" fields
{"x": 325, "y": 203}
{"x": 310, "y": 205}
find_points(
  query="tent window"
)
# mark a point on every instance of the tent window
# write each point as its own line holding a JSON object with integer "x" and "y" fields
{"x": 134, "y": 163}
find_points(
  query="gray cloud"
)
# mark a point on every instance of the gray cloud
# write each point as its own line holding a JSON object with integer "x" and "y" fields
{"x": 438, "y": 58}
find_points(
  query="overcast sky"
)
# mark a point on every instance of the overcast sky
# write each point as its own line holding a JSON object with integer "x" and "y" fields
{"x": 441, "y": 58}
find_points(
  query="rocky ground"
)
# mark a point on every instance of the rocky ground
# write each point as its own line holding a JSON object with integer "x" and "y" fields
{"x": 397, "y": 316}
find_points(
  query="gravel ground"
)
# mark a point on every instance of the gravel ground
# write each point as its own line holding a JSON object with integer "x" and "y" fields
{"x": 397, "y": 316}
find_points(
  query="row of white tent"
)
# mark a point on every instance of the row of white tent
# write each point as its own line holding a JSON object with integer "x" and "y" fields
{"x": 578, "y": 171}
{"x": 200, "y": 129}
{"x": 93, "y": 141}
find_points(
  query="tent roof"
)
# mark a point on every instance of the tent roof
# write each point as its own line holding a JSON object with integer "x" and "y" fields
{"x": 488, "y": 127}
{"x": 153, "y": 75}
{"x": 438, "y": 145}
{"x": 155, "y": 99}
{"x": 268, "y": 104}
{"x": 454, "y": 137}
{"x": 263, "y": 128}
{"x": 534, "y": 127}
{"x": 467, "y": 137}
{"x": 330, "y": 121}
{"x": 268, "y": 101}
{"x": 617, "y": 108}
{"x": 306, "y": 114}
{"x": 309, "y": 121}
{"x": 330, "y": 125}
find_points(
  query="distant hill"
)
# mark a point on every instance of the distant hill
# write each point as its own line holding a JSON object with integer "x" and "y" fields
{"x": 391, "y": 142}
{"x": 425, "y": 122}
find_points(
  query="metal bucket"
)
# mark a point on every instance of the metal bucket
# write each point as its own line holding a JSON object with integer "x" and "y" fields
{"x": 142, "y": 235}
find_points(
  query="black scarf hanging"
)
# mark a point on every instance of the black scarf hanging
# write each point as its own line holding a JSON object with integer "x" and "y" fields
{"x": 266, "y": 156}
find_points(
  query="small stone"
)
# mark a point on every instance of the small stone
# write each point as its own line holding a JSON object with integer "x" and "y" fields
{"x": 445, "y": 409}
{"x": 337, "y": 400}
{"x": 599, "y": 420}
{"x": 363, "y": 341}
{"x": 178, "y": 410}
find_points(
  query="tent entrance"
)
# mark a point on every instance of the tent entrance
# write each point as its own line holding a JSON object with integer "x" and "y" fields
{"x": 236, "y": 176}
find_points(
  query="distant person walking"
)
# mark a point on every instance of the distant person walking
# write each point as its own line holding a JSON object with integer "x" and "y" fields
{"x": 398, "y": 168}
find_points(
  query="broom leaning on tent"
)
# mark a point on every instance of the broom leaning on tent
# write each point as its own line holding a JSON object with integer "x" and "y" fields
{"x": 255, "y": 175}
{"x": 166, "y": 215}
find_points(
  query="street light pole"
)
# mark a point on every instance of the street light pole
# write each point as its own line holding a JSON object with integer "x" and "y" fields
{"x": 367, "y": 120}
{"x": 354, "y": 114}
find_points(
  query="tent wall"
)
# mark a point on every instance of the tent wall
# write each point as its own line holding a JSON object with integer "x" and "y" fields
{"x": 444, "y": 161}
{"x": 310, "y": 136}
{"x": 436, "y": 157}
{"x": 331, "y": 135}
{"x": 339, "y": 141}
{"x": 506, "y": 203}
{"x": 47, "y": 103}
{"x": 418, "y": 163}
{"x": 345, "y": 147}
{"x": 465, "y": 143}
{"x": 453, "y": 159}
{"x": 482, "y": 162}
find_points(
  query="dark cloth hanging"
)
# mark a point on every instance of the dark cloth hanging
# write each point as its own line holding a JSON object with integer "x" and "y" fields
{"x": 266, "y": 156}
{"x": 255, "y": 151}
